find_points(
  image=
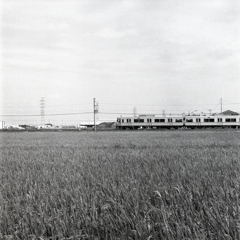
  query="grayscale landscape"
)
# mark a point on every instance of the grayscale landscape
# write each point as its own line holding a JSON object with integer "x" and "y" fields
{"x": 119, "y": 119}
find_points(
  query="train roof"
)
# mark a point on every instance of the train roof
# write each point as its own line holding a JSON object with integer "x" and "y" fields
{"x": 225, "y": 113}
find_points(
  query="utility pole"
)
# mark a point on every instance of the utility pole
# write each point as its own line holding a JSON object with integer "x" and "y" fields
{"x": 221, "y": 104}
{"x": 163, "y": 113}
{"x": 42, "y": 112}
{"x": 134, "y": 112}
{"x": 95, "y": 111}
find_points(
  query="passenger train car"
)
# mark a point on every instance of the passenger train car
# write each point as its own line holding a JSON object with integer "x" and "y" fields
{"x": 190, "y": 121}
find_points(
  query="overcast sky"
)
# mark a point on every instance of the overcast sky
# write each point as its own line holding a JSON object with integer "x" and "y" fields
{"x": 176, "y": 55}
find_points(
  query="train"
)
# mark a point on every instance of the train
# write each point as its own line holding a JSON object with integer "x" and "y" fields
{"x": 179, "y": 121}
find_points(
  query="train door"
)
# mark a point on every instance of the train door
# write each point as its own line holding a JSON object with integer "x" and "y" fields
{"x": 198, "y": 121}
{"x": 184, "y": 121}
{"x": 149, "y": 121}
{"x": 129, "y": 122}
{"x": 220, "y": 122}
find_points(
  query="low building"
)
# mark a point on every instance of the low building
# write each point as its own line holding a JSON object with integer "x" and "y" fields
{"x": 69, "y": 127}
{"x": 229, "y": 113}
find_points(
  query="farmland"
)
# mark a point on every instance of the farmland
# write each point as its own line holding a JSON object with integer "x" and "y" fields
{"x": 120, "y": 185}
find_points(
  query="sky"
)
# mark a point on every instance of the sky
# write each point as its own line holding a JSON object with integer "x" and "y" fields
{"x": 174, "y": 56}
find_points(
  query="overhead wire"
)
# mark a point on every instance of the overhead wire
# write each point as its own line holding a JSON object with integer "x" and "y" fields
{"x": 156, "y": 105}
{"x": 161, "y": 105}
{"x": 65, "y": 105}
{"x": 103, "y": 112}
{"x": 37, "y": 115}
{"x": 216, "y": 105}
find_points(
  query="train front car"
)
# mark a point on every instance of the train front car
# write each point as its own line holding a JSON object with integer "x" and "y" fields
{"x": 231, "y": 121}
{"x": 216, "y": 121}
{"x": 118, "y": 123}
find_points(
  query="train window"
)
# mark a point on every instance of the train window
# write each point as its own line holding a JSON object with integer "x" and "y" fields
{"x": 198, "y": 119}
{"x": 169, "y": 119}
{"x": 208, "y": 119}
{"x": 128, "y": 120}
{"x": 123, "y": 120}
{"x": 219, "y": 119}
{"x": 178, "y": 120}
{"x": 138, "y": 120}
{"x": 231, "y": 119}
{"x": 149, "y": 120}
{"x": 159, "y": 120}
{"x": 189, "y": 120}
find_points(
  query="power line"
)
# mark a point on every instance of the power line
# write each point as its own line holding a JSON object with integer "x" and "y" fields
{"x": 230, "y": 103}
{"x": 53, "y": 114}
{"x": 114, "y": 113}
{"x": 119, "y": 104}
{"x": 166, "y": 105}
{"x": 216, "y": 105}
{"x": 65, "y": 105}
{"x": 82, "y": 113}
{"x": 128, "y": 113}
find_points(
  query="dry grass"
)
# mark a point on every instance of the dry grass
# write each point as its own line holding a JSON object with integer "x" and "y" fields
{"x": 120, "y": 185}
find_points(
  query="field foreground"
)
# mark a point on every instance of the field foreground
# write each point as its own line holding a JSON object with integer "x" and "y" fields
{"x": 120, "y": 185}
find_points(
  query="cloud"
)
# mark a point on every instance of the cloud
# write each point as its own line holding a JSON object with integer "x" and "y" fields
{"x": 112, "y": 33}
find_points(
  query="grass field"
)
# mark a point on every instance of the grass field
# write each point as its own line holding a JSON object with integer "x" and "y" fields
{"x": 120, "y": 185}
